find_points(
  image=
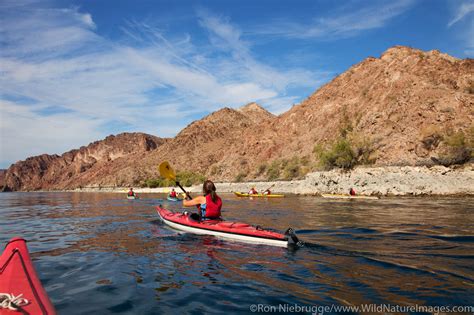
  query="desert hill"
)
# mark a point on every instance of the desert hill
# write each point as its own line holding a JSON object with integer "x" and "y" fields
{"x": 66, "y": 170}
{"x": 398, "y": 100}
{"x": 402, "y": 103}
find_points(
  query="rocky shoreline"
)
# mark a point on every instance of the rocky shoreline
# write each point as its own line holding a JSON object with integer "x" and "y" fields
{"x": 380, "y": 181}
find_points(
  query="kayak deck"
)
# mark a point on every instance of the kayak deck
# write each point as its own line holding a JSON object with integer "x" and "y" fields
{"x": 240, "y": 194}
{"x": 18, "y": 276}
{"x": 342, "y": 196}
{"x": 225, "y": 229}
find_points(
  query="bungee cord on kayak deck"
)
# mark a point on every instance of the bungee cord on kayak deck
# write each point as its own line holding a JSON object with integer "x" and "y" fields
{"x": 17, "y": 274}
{"x": 12, "y": 302}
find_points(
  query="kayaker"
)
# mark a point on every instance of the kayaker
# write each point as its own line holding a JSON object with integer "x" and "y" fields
{"x": 267, "y": 192}
{"x": 209, "y": 205}
{"x": 173, "y": 193}
{"x": 352, "y": 192}
{"x": 253, "y": 191}
{"x": 131, "y": 193}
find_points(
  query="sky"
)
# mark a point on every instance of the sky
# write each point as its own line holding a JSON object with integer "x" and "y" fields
{"x": 73, "y": 72}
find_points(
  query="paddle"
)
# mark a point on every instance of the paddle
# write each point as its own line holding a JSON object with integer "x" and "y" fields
{"x": 268, "y": 188}
{"x": 167, "y": 172}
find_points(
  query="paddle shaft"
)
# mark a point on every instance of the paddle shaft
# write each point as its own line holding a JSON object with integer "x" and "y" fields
{"x": 188, "y": 196}
{"x": 269, "y": 188}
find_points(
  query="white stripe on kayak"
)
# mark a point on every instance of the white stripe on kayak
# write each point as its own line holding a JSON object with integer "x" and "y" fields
{"x": 238, "y": 237}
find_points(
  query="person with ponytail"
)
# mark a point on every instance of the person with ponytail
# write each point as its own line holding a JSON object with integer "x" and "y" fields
{"x": 209, "y": 204}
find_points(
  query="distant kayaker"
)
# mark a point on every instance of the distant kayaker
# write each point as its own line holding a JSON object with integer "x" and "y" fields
{"x": 267, "y": 192}
{"x": 253, "y": 191}
{"x": 131, "y": 193}
{"x": 209, "y": 205}
{"x": 173, "y": 193}
{"x": 352, "y": 192}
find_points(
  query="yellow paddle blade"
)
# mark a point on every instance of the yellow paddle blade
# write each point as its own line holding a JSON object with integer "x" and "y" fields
{"x": 167, "y": 171}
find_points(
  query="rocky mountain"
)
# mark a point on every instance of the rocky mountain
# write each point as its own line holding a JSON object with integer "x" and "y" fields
{"x": 397, "y": 100}
{"x": 215, "y": 145}
{"x": 402, "y": 103}
{"x": 2, "y": 177}
{"x": 66, "y": 170}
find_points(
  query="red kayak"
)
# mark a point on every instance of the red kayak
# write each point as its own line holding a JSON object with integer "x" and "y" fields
{"x": 21, "y": 291}
{"x": 231, "y": 230}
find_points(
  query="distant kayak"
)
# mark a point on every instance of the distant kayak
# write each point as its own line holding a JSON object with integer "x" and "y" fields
{"x": 239, "y": 194}
{"x": 237, "y": 231}
{"x": 173, "y": 199}
{"x": 132, "y": 197}
{"x": 19, "y": 282}
{"x": 342, "y": 196}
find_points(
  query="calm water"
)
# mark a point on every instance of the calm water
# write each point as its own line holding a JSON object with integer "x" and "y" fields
{"x": 100, "y": 253}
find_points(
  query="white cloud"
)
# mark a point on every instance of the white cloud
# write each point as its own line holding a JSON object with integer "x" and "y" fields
{"x": 228, "y": 38}
{"x": 464, "y": 31}
{"x": 24, "y": 133}
{"x": 148, "y": 82}
{"x": 349, "y": 21}
{"x": 462, "y": 11}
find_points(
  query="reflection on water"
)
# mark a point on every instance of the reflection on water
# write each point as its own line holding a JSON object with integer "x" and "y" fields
{"x": 102, "y": 253}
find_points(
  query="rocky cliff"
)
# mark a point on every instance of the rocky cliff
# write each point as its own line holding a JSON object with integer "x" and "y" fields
{"x": 397, "y": 100}
{"x": 76, "y": 167}
{"x": 2, "y": 177}
{"x": 402, "y": 103}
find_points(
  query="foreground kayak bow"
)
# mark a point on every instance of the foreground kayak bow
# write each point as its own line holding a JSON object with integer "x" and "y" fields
{"x": 21, "y": 291}
{"x": 230, "y": 230}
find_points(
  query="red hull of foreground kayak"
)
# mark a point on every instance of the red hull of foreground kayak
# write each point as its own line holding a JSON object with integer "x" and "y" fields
{"x": 231, "y": 230}
{"x": 18, "y": 276}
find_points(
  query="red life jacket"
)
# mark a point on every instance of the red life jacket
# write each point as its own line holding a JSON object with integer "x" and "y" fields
{"x": 173, "y": 194}
{"x": 131, "y": 193}
{"x": 213, "y": 209}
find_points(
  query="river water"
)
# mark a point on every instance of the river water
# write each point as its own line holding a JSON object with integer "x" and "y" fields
{"x": 99, "y": 253}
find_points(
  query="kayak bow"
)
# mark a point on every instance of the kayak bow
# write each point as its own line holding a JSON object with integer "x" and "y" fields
{"x": 19, "y": 282}
{"x": 237, "y": 231}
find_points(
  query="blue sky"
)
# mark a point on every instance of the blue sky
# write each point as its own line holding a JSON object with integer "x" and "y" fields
{"x": 73, "y": 72}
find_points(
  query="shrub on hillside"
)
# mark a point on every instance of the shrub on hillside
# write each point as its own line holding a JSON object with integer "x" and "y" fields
{"x": 340, "y": 154}
{"x": 240, "y": 177}
{"x": 187, "y": 179}
{"x": 261, "y": 169}
{"x": 458, "y": 147}
{"x": 159, "y": 182}
{"x": 431, "y": 136}
{"x": 296, "y": 168}
{"x": 273, "y": 171}
{"x": 288, "y": 168}
{"x": 346, "y": 153}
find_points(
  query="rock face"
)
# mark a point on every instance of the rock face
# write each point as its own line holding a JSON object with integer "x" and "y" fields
{"x": 76, "y": 167}
{"x": 395, "y": 100}
{"x": 2, "y": 178}
{"x": 220, "y": 145}
{"x": 400, "y": 102}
